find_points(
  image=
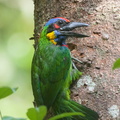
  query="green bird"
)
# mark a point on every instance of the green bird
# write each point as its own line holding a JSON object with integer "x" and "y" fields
{"x": 52, "y": 72}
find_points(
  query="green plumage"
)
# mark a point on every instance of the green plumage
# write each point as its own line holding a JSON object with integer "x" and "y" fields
{"x": 50, "y": 70}
{"x": 52, "y": 75}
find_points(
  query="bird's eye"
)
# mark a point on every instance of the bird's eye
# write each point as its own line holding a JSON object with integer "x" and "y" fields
{"x": 60, "y": 22}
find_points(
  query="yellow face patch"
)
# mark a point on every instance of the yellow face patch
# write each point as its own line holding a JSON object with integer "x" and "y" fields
{"x": 51, "y": 35}
{"x": 53, "y": 42}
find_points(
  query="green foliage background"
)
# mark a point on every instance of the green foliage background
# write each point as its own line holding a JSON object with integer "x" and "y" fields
{"x": 16, "y": 27}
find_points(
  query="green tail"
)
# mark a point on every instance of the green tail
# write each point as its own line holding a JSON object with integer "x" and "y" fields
{"x": 63, "y": 106}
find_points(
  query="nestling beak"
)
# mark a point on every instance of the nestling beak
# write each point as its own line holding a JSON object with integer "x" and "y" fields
{"x": 66, "y": 30}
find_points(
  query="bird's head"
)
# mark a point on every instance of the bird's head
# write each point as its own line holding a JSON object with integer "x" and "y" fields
{"x": 59, "y": 29}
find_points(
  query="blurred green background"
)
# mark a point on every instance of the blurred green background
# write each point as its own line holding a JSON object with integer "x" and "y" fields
{"x": 16, "y": 51}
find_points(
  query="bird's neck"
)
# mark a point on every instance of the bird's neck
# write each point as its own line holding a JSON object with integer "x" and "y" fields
{"x": 44, "y": 41}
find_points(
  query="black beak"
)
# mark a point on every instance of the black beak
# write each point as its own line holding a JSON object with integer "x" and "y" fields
{"x": 66, "y": 30}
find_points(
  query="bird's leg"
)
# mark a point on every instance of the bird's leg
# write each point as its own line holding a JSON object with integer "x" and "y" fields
{"x": 74, "y": 66}
{"x": 77, "y": 60}
{"x": 75, "y": 73}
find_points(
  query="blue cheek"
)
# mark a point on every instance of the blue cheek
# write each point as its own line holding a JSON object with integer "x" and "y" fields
{"x": 57, "y": 33}
{"x": 60, "y": 39}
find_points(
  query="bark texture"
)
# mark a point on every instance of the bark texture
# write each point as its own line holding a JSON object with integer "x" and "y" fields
{"x": 99, "y": 87}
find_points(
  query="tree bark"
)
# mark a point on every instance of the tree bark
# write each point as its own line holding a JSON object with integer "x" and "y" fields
{"x": 99, "y": 87}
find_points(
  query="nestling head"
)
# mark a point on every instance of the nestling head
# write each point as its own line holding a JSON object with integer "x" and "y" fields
{"x": 59, "y": 29}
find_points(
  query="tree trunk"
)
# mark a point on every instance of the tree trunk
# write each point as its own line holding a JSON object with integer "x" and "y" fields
{"x": 99, "y": 87}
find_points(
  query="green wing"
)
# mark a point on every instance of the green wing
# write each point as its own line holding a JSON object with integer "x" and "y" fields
{"x": 50, "y": 69}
